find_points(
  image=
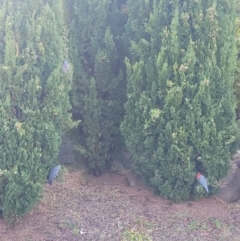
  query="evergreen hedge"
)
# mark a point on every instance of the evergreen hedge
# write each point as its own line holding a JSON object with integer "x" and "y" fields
{"x": 180, "y": 112}
{"x": 34, "y": 107}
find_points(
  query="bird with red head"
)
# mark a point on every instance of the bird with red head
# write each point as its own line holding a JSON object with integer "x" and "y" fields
{"x": 203, "y": 181}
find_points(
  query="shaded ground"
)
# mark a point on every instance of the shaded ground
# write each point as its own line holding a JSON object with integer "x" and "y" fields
{"x": 106, "y": 208}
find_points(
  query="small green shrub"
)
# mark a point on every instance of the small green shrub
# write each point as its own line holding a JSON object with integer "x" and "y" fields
{"x": 132, "y": 235}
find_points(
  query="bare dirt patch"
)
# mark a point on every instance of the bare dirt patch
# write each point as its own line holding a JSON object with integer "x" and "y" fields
{"x": 106, "y": 208}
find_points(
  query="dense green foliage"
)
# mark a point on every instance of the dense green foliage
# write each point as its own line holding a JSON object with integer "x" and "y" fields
{"x": 180, "y": 113}
{"x": 180, "y": 108}
{"x": 237, "y": 74}
{"x": 99, "y": 89}
{"x": 34, "y": 108}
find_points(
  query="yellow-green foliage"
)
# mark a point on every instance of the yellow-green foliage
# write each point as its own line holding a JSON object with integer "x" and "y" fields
{"x": 132, "y": 235}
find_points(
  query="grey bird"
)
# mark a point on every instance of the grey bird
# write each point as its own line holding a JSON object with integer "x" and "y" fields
{"x": 65, "y": 66}
{"x": 53, "y": 174}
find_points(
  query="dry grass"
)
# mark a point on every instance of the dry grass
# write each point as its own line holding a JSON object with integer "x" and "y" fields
{"x": 106, "y": 208}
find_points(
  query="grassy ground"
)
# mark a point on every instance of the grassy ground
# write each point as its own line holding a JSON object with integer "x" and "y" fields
{"x": 105, "y": 208}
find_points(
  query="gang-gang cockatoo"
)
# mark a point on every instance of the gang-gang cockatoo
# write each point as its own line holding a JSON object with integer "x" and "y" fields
{"x": 202, "y": 180}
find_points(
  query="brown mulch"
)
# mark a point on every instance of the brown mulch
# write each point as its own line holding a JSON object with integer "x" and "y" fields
{"x": 83, "y": 207}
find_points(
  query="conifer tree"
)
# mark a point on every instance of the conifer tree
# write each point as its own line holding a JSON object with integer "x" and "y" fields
{"x": 98, "y": 88}
{"x": 34, "y": 107}
{"x": 180, "y": 116}
{"x": 237, "y": 73}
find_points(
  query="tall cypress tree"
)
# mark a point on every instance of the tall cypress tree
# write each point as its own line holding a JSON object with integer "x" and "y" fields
{"x": 180, "y": 115}
{"x": 98, "y": 89}
{"x": 34, "y": 99}
{"x": 237, "y": 73}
